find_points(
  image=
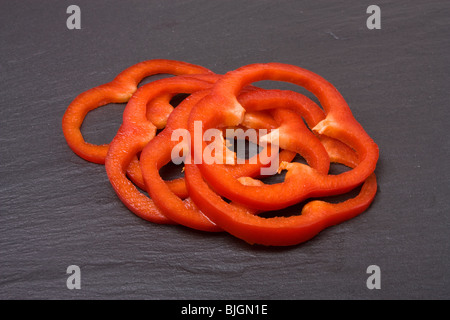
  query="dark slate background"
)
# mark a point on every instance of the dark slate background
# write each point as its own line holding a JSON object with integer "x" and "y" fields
{"x": 58, "y": 210}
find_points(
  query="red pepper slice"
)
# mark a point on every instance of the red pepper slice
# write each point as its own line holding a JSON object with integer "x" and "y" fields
{"x": 301, "y": 181}
{"x": 240, "y": 221}
{"x": 134, "y": 133}
{"x": 277, "y": 231}
{"x": 157, "y": 153}
{"x": 117, "y": 91}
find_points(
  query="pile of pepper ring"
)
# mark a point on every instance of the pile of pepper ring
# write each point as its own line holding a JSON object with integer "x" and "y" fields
{"x": 231, "y": 197}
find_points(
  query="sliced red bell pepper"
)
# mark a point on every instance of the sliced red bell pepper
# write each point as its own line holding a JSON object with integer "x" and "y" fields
{"x": 301, "y": 181}
{"x": 157, "y": 153}
{"x": 222, "y": 102}
{"x": 134, "y": 133}
{"x": 277, "y": 231}
{"x": 118, "y": 91}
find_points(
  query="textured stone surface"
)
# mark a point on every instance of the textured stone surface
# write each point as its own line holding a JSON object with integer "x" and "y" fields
{"x": 58, "y": 210}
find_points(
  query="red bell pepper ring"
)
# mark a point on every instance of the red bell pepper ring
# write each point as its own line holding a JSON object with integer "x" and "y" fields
{"x": 118, "y": 91}
{"x": 134, "y": 133}
{"x": 280, "y": 231}
{"x": 301, "y": 180}
{"x": 185, "y": 212}
{"x": 157, "y": 153}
